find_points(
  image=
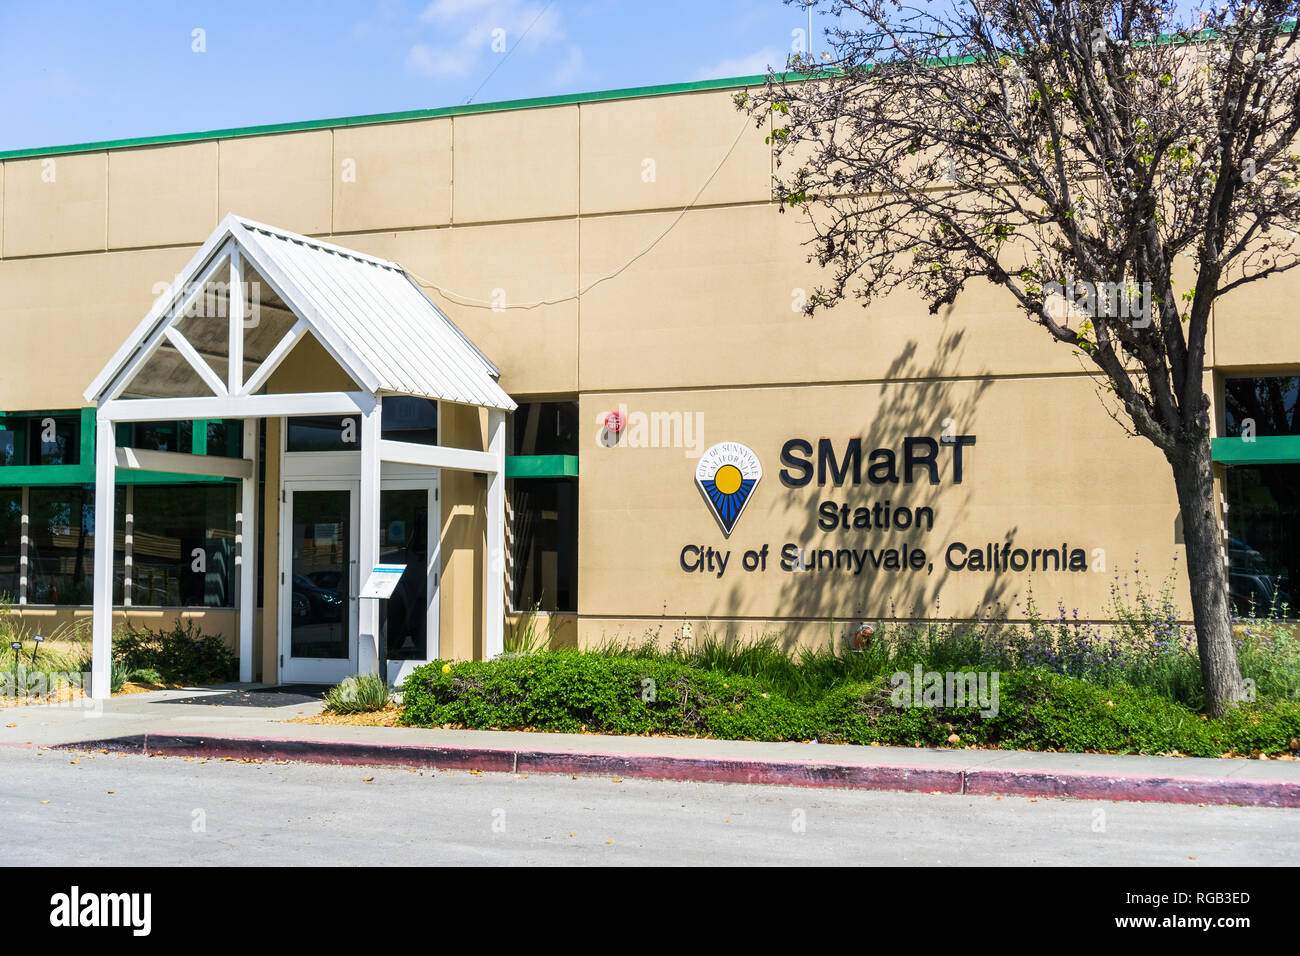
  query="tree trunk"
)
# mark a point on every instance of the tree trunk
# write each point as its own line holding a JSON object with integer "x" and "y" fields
{"x": 1211, "y": 615}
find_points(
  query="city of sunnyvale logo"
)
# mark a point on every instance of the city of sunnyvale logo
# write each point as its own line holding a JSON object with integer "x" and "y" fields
{"x": 727, "y": 473}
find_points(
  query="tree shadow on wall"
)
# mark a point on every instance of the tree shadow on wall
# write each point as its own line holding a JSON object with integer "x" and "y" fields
{"x": 919, "y": 399}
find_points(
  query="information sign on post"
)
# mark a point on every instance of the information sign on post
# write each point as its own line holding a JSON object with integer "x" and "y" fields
{"x": 380, "y": 585}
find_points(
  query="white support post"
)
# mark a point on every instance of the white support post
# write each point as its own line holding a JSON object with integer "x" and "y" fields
{"x": 235, "y": 367}
{"x": 494, "y": 595}
{"x": 368, "y": 543}
{"x": 247, "y": 559}
{"x": 102, "y": 620}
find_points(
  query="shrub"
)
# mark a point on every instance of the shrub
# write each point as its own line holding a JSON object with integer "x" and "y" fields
{"x": 359, "y": 694}
{"x": 181, "y": 655}
{"x": 1145, "y": 647}
{"x": 571, "y": 692}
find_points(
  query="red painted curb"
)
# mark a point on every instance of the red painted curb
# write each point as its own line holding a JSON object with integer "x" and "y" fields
{"x": 331, "y": 752}
{"x": 1034, "y": 783}
{"x": 790, "y": 773}
{"x": 1098, "y": 786}
{"x": 129, "y": 744}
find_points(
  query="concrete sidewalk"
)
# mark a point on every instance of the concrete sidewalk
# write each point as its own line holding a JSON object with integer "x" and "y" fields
{"x": 251, "y": 723}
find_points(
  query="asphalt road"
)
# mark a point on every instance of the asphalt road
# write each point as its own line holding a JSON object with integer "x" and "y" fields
{"x": 62, "y": 808}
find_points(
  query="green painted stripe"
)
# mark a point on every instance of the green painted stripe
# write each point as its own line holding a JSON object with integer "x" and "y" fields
{"x": 1264, "y": 450}
{"x": 138, "y": 476}
{"x": 35, "y": 475}
{"x": 44, "y": 476}
{"x": 541, "y": 466}
{"x": 399, "y": 117}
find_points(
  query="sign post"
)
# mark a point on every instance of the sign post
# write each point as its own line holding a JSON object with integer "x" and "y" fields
{"x": 379, "y": 586}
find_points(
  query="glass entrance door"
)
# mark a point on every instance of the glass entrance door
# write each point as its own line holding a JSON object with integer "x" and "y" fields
{"x": 318, "y": 608}
{"x": 409, "y": 619}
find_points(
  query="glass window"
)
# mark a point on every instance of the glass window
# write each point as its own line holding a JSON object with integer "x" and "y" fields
{"x": 324, "y": 433}
{"x": 226, "y": 438}
{"x": 40, "y": 440}
{"x": 157, "y": 436}
{"x": 544, "y": 543}
{"x": 11, "y": 528}
{"x": 61, "y": 548}
{"x": 545, "y": 428}
{"x": 1263, "y": 537}
{"x": 183, "y": 545}
{"x": 1267, "y": 404}
{"x": 13, "y": 443}
{"x": 404, "y": 539}
{"x": 54, "y": 440}
{"x": 407, "y": 418}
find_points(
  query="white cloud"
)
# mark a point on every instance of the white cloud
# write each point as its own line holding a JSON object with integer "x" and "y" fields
{"x": 439, "y": 61}
{"x": 570, "y": 68}
{"x": 380, "y": 19}
{"x": 63, "y": 83}
{"x": 465, "y": 31}
{"x": 747, "y": 65}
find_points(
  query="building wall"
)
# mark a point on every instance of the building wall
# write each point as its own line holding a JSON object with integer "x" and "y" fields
{"x": 503, "y": 215}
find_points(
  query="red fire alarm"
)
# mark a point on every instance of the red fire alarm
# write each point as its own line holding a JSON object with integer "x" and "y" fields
{"x": 614, "y": 422}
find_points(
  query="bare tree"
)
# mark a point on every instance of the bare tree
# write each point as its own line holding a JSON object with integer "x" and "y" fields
{"x": 1070, "y": 152}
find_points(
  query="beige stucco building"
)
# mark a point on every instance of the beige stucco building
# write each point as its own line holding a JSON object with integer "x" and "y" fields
{"x": 609, "y": 253}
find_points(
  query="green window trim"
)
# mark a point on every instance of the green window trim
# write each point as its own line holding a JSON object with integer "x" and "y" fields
{"x": 79, "y": 474}
{"x": 12, "y": 476}
{"x": 1262, "y": 450}
{"x": 541, "y": 466}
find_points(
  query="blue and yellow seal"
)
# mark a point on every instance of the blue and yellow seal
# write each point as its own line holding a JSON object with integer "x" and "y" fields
{"x": 727, "y": 473}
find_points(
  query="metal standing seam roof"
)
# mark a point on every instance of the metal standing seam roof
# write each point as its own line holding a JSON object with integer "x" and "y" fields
{"x": 363, "y": 308}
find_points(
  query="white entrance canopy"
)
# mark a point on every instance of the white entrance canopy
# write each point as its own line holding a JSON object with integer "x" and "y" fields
{"x": 210, "y": 345}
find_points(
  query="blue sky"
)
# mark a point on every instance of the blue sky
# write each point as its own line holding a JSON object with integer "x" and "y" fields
{"x": 76, "y": 72}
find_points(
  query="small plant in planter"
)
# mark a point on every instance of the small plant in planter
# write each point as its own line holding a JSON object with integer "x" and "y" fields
{"x": 147, "y": 675}
{"x": 359, "y": 694}
{"x": 526, "y": 635}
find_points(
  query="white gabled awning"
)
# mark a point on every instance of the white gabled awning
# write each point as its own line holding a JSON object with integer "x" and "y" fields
{"x": 366, "y": 312}
{"x": 208, "y": 349}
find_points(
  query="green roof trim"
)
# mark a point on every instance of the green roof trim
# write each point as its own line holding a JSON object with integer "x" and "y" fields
{"x": 566, "y": 99}
{"x": 1262, "y": 450}
{"x": 377, "y": 118}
